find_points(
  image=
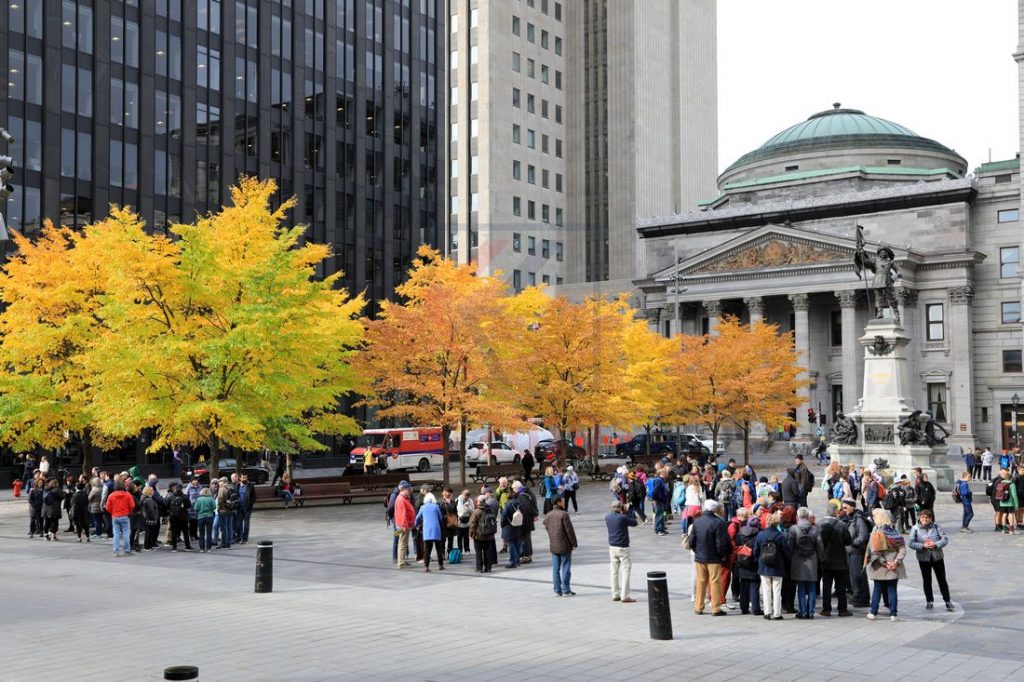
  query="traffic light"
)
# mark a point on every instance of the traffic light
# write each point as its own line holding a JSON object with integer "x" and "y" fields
{"x": 811, "y": 417}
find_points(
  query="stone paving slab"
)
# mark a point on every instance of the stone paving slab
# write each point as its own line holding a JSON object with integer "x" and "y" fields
{"x": 341, "y": 611}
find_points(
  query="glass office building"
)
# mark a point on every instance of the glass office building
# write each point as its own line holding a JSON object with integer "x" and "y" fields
{"x": 162, "y": 104}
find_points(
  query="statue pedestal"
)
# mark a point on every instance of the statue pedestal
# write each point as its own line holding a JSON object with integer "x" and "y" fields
{"x": 883, "y": 406}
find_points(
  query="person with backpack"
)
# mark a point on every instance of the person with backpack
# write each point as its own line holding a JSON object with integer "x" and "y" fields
{"x": 405, "y": 519}
{"x": 835, "y": 569}
{"x": 430, "y": 522}
{"x": 927, "y": 539}
{"x": 805, "y": 477}
{"x": 550, "y": 489}
{"x": 562, "y": 542}
{"x": 528, "y": 506}
{"x": 570, "y": 486}
{"x": 177, "y": 516}
{"x": 657, "y": 490}
{"x": 924, "y": 493}
{"x": 636, "y": 493}
{"x": 964, "y": 496}
{"x": 1005, "y": 493}
{"x": 483, "y": 525}
{"x": 791, "y": 489}
{"x": 725, "y": 493}
{"x": 806, "y": 550}
{"x": 745, "y": 567}
{"x": 205, "y": 507}
{"x": 227, "y": 505}
{"x": 243, "y": 515}
{"x": 895, "y": 502}
{"x": 859, "y": 528}
{"x": 51, "y": 511}
{"x": 512, "y": 519}
{"x": 886, "y": 551}
{"x": 464, "y": 507}
{"x": 35, "y": 509}
{"x": 770, "y": 555}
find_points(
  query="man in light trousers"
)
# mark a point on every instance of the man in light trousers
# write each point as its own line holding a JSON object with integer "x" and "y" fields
{"x": 618, "y": 523}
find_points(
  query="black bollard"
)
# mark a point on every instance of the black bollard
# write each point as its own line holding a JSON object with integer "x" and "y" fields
{"x": 264, "y": 566}
{"x": 657, "y": 605}
{"x": 181, "y": 672}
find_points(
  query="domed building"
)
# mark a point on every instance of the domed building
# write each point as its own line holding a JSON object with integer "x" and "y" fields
{"x": 777, "y": 244}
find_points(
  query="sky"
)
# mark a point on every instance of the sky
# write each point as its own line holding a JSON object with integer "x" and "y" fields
{"x": 942, "y": 68}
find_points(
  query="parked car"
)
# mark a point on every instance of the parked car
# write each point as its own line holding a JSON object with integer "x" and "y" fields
{"x": 226, "y": 467}
{"x": 503, "y": 453}
{"x": 707, "y": 442}
{"x": 547, "y": 451}
{"x": 661, "y": 444}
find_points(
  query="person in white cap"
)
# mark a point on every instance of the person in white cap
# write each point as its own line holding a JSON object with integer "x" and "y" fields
{"x": 570, "y": 483}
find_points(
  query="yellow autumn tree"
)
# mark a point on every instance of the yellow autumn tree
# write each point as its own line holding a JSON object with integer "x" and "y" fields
{"x": 744, "y": 375}
{"x": 572, "y": 363}
{"x": 223, "y": 336}
{"x": 50, "y": 297}
{"x": 648, "y": 392}
{"x": 431, "y": 358}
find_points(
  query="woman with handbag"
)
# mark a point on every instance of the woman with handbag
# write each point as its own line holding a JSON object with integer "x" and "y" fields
{"x": 429, "y": 520}
{"x": 464, "y": 507}
{"x": 884, "y": 562}
{"x": 927, "y": 538}
{"x": 450, "y": 514}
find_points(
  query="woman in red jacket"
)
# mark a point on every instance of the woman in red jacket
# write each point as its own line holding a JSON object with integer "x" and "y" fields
{"x": 120, "y": 505}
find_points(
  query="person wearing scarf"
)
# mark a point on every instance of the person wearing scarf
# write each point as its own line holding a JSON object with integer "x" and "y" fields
{"x": 884, "y": 562}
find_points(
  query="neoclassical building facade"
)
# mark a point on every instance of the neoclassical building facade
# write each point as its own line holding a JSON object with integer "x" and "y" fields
{"x": 777, "y": 244}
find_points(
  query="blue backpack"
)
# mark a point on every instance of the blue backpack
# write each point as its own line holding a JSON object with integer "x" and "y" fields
{"x": 455, "y": 556}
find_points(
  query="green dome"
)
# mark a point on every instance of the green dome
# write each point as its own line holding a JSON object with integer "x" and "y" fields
{"x": 839, "y": 128}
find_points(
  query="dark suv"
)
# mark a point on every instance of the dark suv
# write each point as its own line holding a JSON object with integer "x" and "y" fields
{"x": 661, "y": 444}
{"x": 547, "y": 450}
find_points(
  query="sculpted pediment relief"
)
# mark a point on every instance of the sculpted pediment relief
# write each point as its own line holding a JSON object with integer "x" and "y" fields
{"x": 774, "y": 252}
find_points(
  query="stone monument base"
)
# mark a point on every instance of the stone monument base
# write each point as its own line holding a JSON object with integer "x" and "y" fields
{"x": 903, "y": 459}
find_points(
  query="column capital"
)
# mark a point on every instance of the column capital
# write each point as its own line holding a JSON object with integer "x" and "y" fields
{"x": 906, "y": 296}
{"x": 755, "y": 304}
{"x": 713, "y": 308}
{"x": 847, "y": 298}
{"x": 800, "y": 301}
{"x": 961, "y": 295}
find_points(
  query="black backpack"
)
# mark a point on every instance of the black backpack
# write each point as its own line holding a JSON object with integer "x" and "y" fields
{"x": 770, "y": 554}
{"x": 746, "y": 561}
{"x": 488, "y": 522}
{"x": 50, "y": 498}
{"x": 176, "y": 506}
{"x": 232, "y": 502}
{"x": 806, "y": 546}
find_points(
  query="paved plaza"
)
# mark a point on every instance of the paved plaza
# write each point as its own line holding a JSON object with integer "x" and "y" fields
{"x": 340, "y": 610}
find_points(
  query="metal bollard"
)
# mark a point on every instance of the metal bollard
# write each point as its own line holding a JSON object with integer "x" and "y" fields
{"x": 657, "y": 605}
{"x": 264, "y": 566}
{"x": 181, "y": 672}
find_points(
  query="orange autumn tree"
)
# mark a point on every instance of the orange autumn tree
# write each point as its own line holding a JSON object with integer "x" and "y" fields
{"x": 50, "y": 295}
{"x": 746, "y": 374}
{"x": 432, "y": 358}
{"x": 224, "y": 336}
{"x": 572, "y": 363}
{"x": 648, "y": 392}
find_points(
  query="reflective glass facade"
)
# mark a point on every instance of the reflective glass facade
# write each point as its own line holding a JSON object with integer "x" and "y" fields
{"x": 162, "y": 104}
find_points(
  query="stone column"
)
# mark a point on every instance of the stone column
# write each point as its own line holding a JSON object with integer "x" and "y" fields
{"x": 961, "y": 399}
{"x": 802, "y": 337}
{"x": 851, "y": 350}
{"x": 714, "y": 310}
{"x": 907, "y": 300}
{"x": 755, "y": 304}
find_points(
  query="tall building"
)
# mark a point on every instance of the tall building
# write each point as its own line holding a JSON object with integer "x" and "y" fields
{"x": 643, "y": 127}
{"x": 162, "y": 105}
{"x": 507, "y": 141}
{"x": 569, "y": 122}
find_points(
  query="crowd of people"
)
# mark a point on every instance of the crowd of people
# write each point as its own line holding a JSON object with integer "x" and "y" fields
{"x": 750, "y": 537}
{"x": 131, "y": 510}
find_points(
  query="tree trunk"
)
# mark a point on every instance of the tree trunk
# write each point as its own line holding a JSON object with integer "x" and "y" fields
{"x": 595, "y": 455}
{"x": 746, "y": 442}
{"x": 714, "y": 439}
{"x": 289, "y": 465}
{"x": 446, "y": 434}
{"x": 86, "y": 438}
{"x": 563, "y": 442}
{"x": 647, "y": 445}
{"x": 462, "y": 453}
{"x": 214, "y": 444}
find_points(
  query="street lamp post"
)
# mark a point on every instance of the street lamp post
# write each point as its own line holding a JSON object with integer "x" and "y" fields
{"x": 1015, "y": 400}
{"x": 677, "y": 291}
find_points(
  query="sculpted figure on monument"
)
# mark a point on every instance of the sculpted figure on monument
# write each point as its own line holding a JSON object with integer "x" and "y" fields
{"x": 883, "y": 280}
{"x": 844, "y": 431}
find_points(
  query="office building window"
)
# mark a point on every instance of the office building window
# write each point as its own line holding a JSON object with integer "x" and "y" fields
{"x": 531, "y": 102}
{"x": 1011, "y": 312}
{"x": 516, "y": 62}
{"x": 517, "y": 281}
{"x": 836, "y": 327}
{"x": 559, "y": 255}
{"x": 516, "y": 242}
{"x": 558, "y": 80}
{"x": 76, "y": 27}
{"x": 544, "y": 108}
{"x": 937, "y": 401}
{"x": 1009, "y": 215}
{"x": 558, "y": 148}
{"x": 531, "y": 174}
{"x": 531, "y": 139}
{"x": 544, "y": 143}
{"x": 530, "y": 67}
{"x": 517, "y": 206}
{"x": 934, "y": 321}
{"x": 545, "y": 213}
{"x": 545, "y": 178}
{"x": 558, "y": 113}
{"x": 530, "y": 36}
{"x": 545, "y": 74}
{"x": 558, "y": 11}
{"x": 516, "y": 98}
{"x": 560, "y": 217}
{"x": 1009, "y": 259}
{"x": 558, "y": 46}
{"x": 516, "y": 130}
{"x": 531, "y": 246}
{"x": 517, "y": 170}
{"x": 558, "y": 182}
{"x": 558, "y": 281}
{"x": 531, "y": 210}
{"x": 531, "y": 279}
{"x": 515, "y": 26}
{"x": 545, "y": 248}
{"x": 1012, "y": 362}
{"x": 544, "y": 39}
{"x": 124, "y": 42}
{"x": 545, "y": 280}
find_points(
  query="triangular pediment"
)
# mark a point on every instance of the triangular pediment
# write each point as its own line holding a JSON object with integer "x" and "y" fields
{"x": 768, "y": 247}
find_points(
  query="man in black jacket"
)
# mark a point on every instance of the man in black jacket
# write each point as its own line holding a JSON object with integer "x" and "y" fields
{"x": 792, "y": 491}
{"x": 709, "y": 540}
{"x": 835, "y": 569}
{"x": 924, "y": 492}
{"x": 857, "y": 524}
{"x": 804, "y": 477}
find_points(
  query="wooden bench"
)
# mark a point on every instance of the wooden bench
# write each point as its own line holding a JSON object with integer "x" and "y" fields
{"x": 603, "y": 472}
{"x": 329, "y": 491}
{"x": 485, "y": 473}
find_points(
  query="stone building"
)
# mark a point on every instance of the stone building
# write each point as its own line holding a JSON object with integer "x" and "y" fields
{"x": 777, "y": 244}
